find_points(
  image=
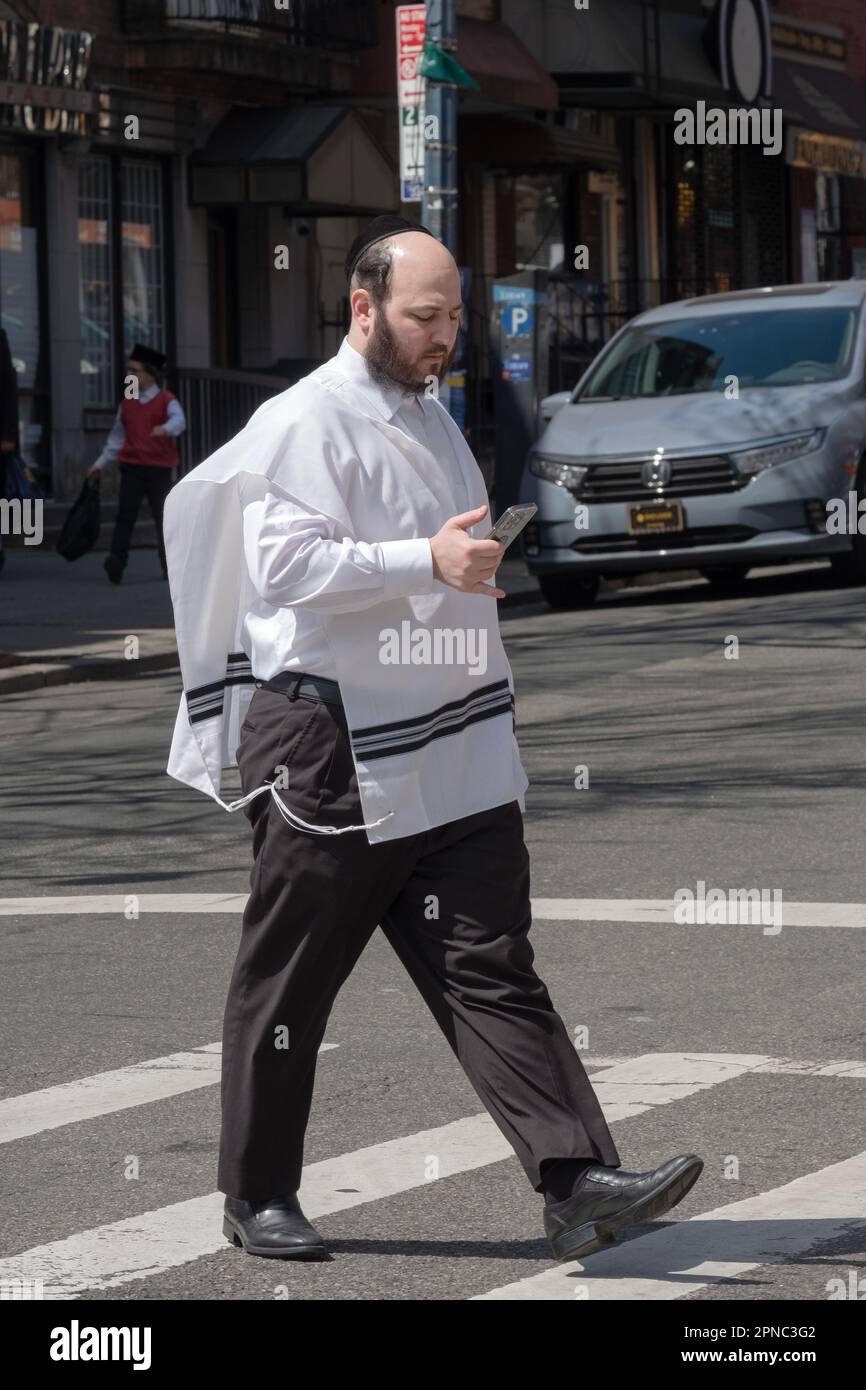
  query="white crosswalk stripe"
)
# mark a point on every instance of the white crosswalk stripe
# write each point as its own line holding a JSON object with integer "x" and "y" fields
{"x": 109, "y": 1091}
{"x": 153, "y": 1242}
{"x": 638, "y": 1084}
{"x": 724, "y": 1243}
{"x": 648, "y": 911}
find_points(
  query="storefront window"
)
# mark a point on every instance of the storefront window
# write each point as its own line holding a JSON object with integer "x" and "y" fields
{"x": 20, "y": 297}
{"x": 720, "y": 241}
{"x": 122, "y": 278}
{"x": 143, "y": 254}
{"x": 703, "y": 249}
{"x": 828, "y": 226}
{"x": 685, "y": 222}
{"x": 95, "y": 282}
{"x": 538, "y": 222}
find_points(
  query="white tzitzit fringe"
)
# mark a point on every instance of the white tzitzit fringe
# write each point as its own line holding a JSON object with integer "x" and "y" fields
{"x": 292, "y": 819}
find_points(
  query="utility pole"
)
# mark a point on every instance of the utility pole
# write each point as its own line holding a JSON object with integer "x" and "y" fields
{"x": 439, "y": 201}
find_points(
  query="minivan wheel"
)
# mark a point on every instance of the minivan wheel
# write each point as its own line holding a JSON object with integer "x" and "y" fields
{"x": 726, "y": 578}
{"x": 569, "y": 591}
{"x": 850, "y": 568}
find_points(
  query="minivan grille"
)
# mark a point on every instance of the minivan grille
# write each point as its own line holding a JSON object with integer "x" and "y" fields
{"x": 620, "y": 479}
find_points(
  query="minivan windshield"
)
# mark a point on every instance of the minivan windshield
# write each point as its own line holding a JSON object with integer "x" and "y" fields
{"x": 772, "y": 347}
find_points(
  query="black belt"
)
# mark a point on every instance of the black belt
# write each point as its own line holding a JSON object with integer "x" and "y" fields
{"x": 295, "y": 683}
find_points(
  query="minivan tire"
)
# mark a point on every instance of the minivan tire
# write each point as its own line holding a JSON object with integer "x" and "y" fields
{"x": 726, "y": 579}
{"x": 569, "y": 591}
{"x": 850, "y": 568}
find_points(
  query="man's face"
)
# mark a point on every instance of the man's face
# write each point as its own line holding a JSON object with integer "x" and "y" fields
{"x": 413, "y": 337}
{"x": 137, "y": 369}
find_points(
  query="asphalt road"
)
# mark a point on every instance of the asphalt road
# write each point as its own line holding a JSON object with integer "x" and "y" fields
{"x": 740, "y": 773}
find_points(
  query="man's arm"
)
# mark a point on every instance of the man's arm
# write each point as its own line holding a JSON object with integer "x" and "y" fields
{"x": 176, "y": 420}
{"x": 113, "y": 444}
{"x": 294, "y": 561}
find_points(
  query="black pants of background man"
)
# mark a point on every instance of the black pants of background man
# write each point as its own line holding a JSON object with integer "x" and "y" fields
{"x": 454, "y": 904}
{"x": 138, "y": 480}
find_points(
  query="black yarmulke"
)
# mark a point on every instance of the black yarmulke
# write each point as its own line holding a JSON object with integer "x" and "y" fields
{"x": 377, "y": 230}
{"x": 151, "y": 357}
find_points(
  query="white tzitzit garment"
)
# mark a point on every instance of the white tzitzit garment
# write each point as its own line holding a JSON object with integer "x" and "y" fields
{"x": 430, "y": 743}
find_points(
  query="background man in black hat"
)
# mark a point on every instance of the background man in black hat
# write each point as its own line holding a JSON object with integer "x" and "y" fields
{"x": 142, "y": 440}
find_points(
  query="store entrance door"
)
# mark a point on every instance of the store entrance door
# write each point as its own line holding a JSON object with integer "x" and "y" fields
{"x": 22, "y": 302}
{"x": 223, "y": 278}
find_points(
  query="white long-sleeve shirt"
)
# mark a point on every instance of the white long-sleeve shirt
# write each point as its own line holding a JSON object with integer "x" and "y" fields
{"x": 300, "y": 570}
{"x": 323, "y": 557}
{"x": 175, "y": 424}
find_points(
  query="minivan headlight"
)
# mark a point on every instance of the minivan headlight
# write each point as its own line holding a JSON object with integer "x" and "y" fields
{"x": 569, "y": 475}
{"x": 753, "y": 461}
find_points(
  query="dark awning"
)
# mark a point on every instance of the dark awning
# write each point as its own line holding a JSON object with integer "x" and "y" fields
{"x": 511, "y": 141}
{"x": 613, "y": 56}
{"x": 503, "y": 67}
{"x": 320, "y": 160}
{"x": 820, "y": 99}
{"x": 612, "y": 59}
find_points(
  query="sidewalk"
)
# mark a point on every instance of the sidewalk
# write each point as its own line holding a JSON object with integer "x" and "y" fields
{"x": 63, "y": 621}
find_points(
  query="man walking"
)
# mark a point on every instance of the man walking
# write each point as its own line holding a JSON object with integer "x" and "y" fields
{"x": 346, "y": 525}
{"x": 142, "y": 439}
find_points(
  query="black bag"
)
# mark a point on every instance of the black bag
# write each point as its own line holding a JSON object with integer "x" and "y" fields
{"x": 80, "y": 530}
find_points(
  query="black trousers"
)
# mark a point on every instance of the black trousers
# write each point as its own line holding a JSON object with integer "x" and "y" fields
{"x": 138, "y": 480}
{"x": 454, "y": 904}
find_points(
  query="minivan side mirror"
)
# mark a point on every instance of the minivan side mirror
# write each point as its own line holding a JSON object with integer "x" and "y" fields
{"x": 550, "y": 404}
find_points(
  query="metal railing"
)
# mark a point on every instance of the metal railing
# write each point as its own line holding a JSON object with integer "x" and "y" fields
{"x": 217, "y": 404}
{"x": 330, "y": 24}
{"x": 585, "y": 315}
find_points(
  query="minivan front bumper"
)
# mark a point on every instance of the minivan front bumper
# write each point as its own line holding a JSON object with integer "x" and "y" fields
{"x": 773, "y": 518}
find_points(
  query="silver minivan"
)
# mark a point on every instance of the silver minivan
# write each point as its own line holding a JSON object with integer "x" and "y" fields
{"x": 715, "y": 434}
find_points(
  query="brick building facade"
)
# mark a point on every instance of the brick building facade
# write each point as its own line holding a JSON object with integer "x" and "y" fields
{"x": 165, "y": 151}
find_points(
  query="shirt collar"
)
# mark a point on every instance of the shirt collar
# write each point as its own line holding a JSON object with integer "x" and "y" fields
{"x": 387, "y": 399}
{"x": 148, "y": 395}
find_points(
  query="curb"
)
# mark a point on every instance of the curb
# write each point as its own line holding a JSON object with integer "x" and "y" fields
{"x": 17, "y": 674}
{"x": 36, "y": 675}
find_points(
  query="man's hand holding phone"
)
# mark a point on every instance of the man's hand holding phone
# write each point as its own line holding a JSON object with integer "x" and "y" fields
{"x": 462, "y": 562}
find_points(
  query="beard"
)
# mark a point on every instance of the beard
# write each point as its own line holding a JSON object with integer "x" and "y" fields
{"x": 389, "y": 365}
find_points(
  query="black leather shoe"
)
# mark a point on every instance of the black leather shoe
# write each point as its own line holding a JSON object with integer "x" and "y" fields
{"x": 609, "y": 1199}
{"x": 275, "y": 1227}
{"x": 113, "y": 567}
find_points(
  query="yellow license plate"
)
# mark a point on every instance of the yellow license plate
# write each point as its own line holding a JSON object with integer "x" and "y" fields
{"x": 651, "y": 518}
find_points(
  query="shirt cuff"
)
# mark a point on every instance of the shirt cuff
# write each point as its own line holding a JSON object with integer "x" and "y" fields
{"x": 408, "y": 568}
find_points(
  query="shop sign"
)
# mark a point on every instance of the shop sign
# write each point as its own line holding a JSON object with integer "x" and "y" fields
{"x": 827, "y": 154}
{"x": 741, "y": 45}
{"x": 790, "y": 38}
{"x": 602, "y": 181}
{"x": 43, "y": 77}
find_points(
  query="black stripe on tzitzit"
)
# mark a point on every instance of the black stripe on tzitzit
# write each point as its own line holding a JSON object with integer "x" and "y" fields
{"x": 206, "y": 701}
{"x": 419, "y": 719}
{"x": 441, "y": 731}
{"x": 421, "y": 730}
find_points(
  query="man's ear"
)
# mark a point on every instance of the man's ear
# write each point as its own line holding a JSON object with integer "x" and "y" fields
{"x": 361, "y": 305}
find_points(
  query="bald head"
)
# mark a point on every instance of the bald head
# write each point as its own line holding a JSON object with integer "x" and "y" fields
{"x": 406, "y": 309}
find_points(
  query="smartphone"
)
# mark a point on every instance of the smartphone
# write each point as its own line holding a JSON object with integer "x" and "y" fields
{"x": 511, "y": 523}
